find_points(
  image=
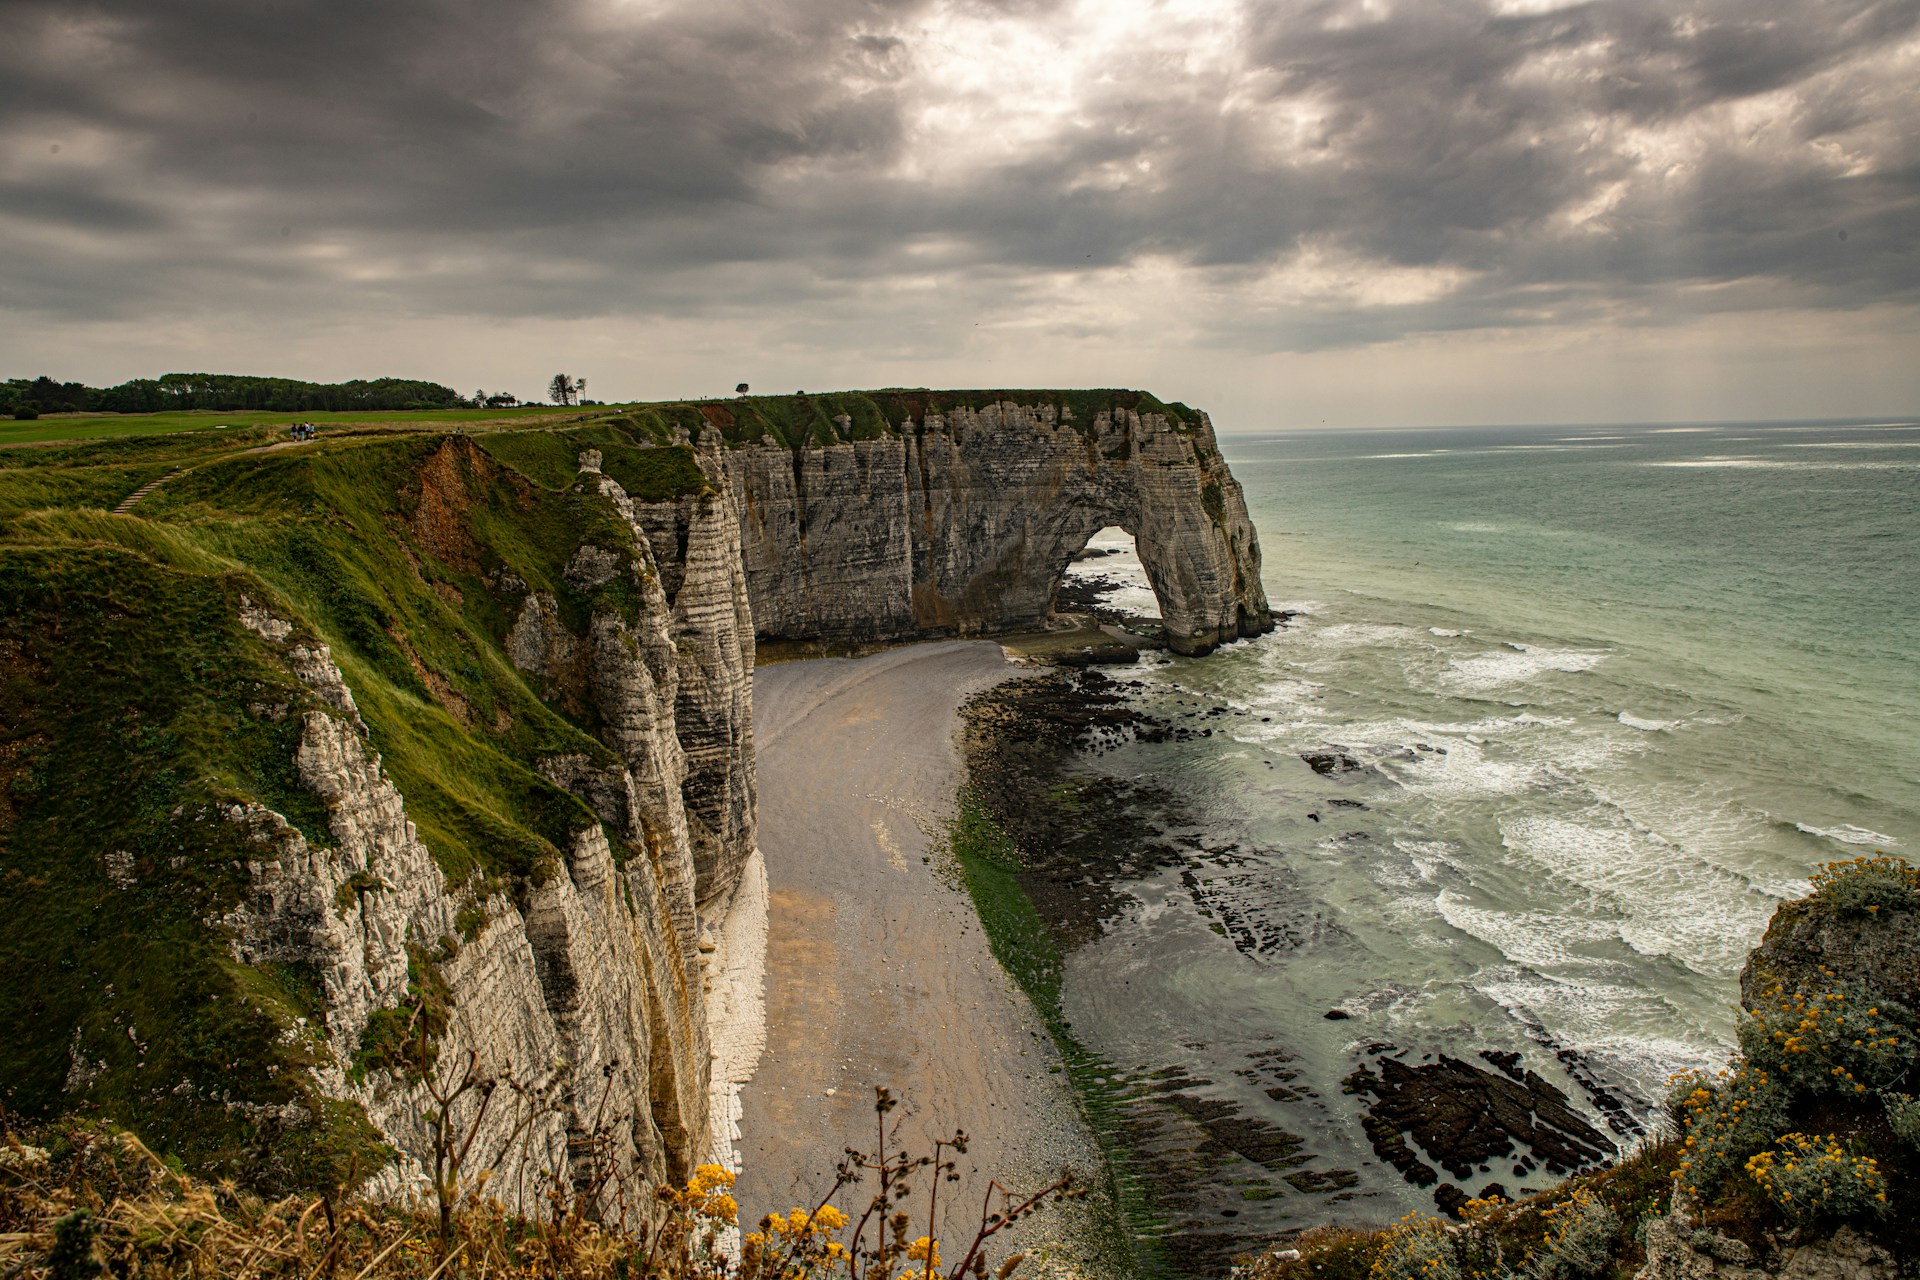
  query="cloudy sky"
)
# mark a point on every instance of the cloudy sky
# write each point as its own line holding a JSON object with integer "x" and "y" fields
{"x": 1349, "y": 211}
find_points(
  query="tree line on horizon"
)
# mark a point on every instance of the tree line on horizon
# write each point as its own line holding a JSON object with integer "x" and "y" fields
{"x": 28, "y": 397}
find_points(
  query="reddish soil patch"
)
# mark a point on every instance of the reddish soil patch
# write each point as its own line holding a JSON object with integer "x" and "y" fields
{"x": 438, "y": 517}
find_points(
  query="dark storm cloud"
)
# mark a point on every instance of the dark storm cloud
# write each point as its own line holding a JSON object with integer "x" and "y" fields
{"x": 494, "y": 158}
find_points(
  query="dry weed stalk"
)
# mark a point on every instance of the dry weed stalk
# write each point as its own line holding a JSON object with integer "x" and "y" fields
{"x": 90, "y": 1200}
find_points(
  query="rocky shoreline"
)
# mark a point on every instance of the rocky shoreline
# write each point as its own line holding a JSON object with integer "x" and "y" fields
{"x": 1189, "y": 1139}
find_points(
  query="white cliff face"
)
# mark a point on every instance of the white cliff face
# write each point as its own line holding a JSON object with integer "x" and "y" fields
{"x": 966, "y": 523}
{"x": 584, "y": 1002}
{"x": 616, "y": 992}
{"x": 696, "y": 544}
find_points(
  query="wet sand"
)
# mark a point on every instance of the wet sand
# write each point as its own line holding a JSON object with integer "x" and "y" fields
{"x": 878, "y": 972}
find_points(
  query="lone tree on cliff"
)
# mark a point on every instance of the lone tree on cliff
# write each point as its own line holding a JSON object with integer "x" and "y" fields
{"x": 565, "y": 388}
{"x": 740, "y": 390}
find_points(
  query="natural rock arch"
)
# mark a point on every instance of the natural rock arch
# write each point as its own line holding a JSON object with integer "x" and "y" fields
{"x": 962, "y": 523}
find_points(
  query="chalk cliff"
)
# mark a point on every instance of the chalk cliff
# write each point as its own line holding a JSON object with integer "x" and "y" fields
{"x": 961, "y": 516}
{"x": 335, "y": 774}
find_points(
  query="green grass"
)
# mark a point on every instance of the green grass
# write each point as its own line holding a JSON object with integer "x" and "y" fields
{"x": 133, "y": 706}
{"x": 793, "y": 420}
{"x": 123, "y": 699}
{"x": 96, "y": 426}
{"x": 989, "y": 865}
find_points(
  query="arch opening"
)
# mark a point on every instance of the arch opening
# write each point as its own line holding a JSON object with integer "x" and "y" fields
{"x": 1106, "y": 581}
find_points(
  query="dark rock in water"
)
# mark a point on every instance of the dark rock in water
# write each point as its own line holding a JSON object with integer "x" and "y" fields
{"x": 1450, "y": 1198}
{"x": 1313, "y": 817}
{"x": 1493, "y": 1189}
{"x": 1264, "y": 912}
{"x": 1391, "y": 1147}
{"x": 1318, "y": 1182}
{"x": 1328, "y": 763}
{"x": 1346, "y": 804}
{"x": 1464, "y": 1117}
{"x": 1336, "y": 1015}
{"x": 1112, "y": 653}
{"x": 1508, "y": 1061}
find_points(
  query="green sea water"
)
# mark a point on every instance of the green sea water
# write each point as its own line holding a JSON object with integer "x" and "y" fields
{"x": 1613, "y": 692}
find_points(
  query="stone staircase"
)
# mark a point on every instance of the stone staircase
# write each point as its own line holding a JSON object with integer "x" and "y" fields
{"x": 127, "y": 504}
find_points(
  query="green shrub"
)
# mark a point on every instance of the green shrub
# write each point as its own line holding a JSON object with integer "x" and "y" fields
{"x": 1417, "y": 1249}
{"x": 1814, "y": 1179}
{"x": 1579, "y": 1242}
{"x": 1839, "y": 1037}
{"x": 1903, "y": 1114}
{"x": 1727, "y": 1119}
{"x": 1869, "y": 885}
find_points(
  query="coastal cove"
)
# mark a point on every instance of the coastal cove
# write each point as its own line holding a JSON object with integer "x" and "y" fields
{"x": 1515, "y": 790}
{"x": 333, "y": 765}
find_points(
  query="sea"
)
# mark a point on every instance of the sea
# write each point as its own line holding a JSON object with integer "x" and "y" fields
{"x": 1597, "y": 700}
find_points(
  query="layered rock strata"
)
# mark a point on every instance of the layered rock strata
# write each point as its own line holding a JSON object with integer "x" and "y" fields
{"x": 583, "y": 1000}
{"x": 580, "y": 1005}
{"x": 964, "y": 523}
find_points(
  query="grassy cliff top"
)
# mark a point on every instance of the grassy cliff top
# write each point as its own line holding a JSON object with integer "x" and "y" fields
{"x": 135, "y": 710}
{"x": 795, "y": 419}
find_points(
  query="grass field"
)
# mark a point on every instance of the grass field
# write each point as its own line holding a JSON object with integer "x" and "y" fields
{"x": 96, "y": 426}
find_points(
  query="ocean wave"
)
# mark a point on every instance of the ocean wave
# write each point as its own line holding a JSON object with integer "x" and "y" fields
{"x": 1674, "y": 903}
{"x": 1600, "y": 1020}
{"x": 1648, "y": 726}
{"x": 1847, "y": 833}
{"x": 1541, "y": 939}
{"x": 1355, "y": 634}
{"x": 1448, "y": 633}
{"x": 1520, "y": 662}
{"x": 1852, "y": 444}
{"x": 1775, "y": 464}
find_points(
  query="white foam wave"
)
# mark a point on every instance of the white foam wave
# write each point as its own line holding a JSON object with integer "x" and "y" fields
{"x": 1430, "y": 859}
{"x": 1592, "y": 1015}
{"x": 1673, "y": 904}
{"x": 1852, "y": 444}
{"x": 1847, "y": 833}
{"x": 1476, "y": 527}
{"x": 1538, "y": 938}
{"x": 1448, "y": 633}
{"x": 1648, "y": 726}
{"x": 1354, "y": 634}
{"x": 1774, "y": 464}
{"x": 1519, "y": 662}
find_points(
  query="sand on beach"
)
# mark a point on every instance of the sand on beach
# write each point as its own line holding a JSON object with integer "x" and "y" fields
{"x": 878, "y": 972}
